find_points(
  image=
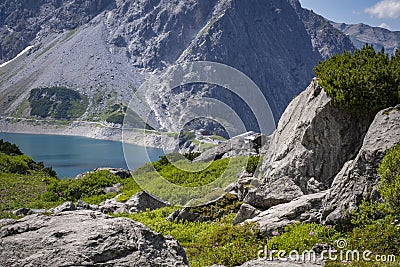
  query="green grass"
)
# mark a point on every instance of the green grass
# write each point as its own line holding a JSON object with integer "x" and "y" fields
{"x": 17, "y": 191}
{"x": 183, "y": 180}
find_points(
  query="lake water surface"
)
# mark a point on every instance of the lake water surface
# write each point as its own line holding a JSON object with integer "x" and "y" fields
{"x": 71, "y": 155}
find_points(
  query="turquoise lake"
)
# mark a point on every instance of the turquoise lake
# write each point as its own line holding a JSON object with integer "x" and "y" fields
{"x": 71, "y": 155}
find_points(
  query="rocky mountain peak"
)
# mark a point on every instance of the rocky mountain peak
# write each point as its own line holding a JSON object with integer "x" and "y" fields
{"x": 362, "y": 34}
{"x": 105, "y": 48}
{"x": 23, "y": 21}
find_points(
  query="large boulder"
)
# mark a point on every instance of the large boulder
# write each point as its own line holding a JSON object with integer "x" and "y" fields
{"x": 312, "y": 141}
{"x": 85, "y": 238}
{"x": 358, "y": 178}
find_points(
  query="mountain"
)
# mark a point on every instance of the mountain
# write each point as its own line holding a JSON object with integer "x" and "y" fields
{"x": 105, "y": 49}
{"x": 361, "y": 34}
{"x": 325, "y": 38}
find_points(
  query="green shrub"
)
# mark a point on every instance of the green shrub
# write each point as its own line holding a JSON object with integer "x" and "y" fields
{"x": 389, "y": 171}
{"x": 369, "y": 212}
{"x": 194, "y": 178}
{"x": 303, "y": 237}
{"x": 89, "y": 188}
{"x": 381, "y": 237}
{"x": 9, "y": 149}
{"x": 226, "y": 245}
{"x": 252, "y": 164}
{"x": 57, "y": 102}
{"x": 226, "y": 205}
{"x": 365, "y": 81}
{"x": 22, "y": 164}
{"x": 18, "y": 191}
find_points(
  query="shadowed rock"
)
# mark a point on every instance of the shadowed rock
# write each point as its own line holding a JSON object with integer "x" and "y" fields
{"x": 358, "y": 178}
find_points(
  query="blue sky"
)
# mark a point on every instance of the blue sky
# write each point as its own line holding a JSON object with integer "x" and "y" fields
{"x": 383, "y": 13}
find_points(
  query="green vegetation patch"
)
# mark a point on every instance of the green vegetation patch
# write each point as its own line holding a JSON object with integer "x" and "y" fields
{"x": 22, "y": 181}
{"x": 89, "y": 188}
{"x": 57, "y": 103}
{"x": 364, "y": 81}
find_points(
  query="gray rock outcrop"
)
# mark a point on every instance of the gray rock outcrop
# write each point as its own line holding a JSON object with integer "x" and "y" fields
{"x": 358, "y": 179}
{"x": 67, "y": 206}
{"x": 141, "y": 201}
{"x": 319, "y": 149}
{"x": 306, "y": 208}
{"x": 85, "y": 238}
{"x": 247, "y": 144}
{"x": 280, "y": 191}
{"x": 312, "y": 141}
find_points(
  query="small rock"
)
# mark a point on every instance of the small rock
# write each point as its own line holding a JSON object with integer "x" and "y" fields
{"x": 113, "y": 189}
{"x": 246, "y": 212}
{"x": 186, "y": 215}
{"x": 67, "y": 206}
{"x": 38, "y": 211}
{"x": 245, "y": 184}
{"x": 22, "y": 212}
{"x": 82, "y": 205}
{"x": 173, "y": 216}
{"x": 110, "y": 205}
{"x": 143, "y": 201}
{"x": 319, "y": 248}
{"x": 303, "y": 209}
{"x": 230, "y": 188}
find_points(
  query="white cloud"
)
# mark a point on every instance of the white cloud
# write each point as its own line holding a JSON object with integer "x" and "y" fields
{"x": 384, "y": 25}
{"x": 385, "y": 9}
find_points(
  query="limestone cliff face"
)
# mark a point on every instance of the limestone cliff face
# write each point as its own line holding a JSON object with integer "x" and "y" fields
{"x": 257, "y": 39}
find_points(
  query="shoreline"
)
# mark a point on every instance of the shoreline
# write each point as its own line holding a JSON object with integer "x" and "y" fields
{"x": 95, "y": 130}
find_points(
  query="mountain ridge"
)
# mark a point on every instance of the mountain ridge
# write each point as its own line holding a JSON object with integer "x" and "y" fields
{"x": 107, "y": 49}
